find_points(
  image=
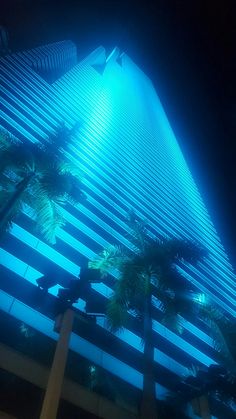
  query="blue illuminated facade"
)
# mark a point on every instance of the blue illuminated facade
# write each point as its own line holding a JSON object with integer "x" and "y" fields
{"x": 128, "y": 157}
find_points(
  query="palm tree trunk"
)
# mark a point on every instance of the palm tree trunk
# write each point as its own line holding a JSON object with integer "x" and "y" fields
{"x": 5, "y": 213}
{"x": 148, "y": 406}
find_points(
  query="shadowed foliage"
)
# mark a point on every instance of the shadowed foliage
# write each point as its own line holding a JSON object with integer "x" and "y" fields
{"x": 213, "y": 383}
{"x": 58, "y": 141}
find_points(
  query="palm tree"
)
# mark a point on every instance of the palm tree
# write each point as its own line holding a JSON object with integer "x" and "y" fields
{"x": 58, "y": 141}
{"x": 33, "y": 179}
{"x": 219, "y": 326}
{"x": 148, "y": 268}
{"x": 214, "y": 382}
{"x": 196, "y": 386}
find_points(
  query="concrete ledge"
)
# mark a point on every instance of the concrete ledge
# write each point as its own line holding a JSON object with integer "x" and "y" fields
{"x": 35, "y": 373}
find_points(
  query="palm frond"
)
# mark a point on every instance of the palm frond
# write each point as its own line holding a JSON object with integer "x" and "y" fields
{"x": 172, "y": 321}
{"x": 151, "y": 267}
{"x": 117, "y": 314}
{"x": 110, "y": 258}
{"x": 12, "y": 157}
{"x": 138, "y": 231}
{"x": 7, "y": 183}
{"x": 133, "y": 282}
{"x": 72, "y": 188}
{"x": 47, "y": 216}
{"x": 181, "y": 250}
{"x": 61, "y": 184}
{"x": 218, "y": 323}
{"x": 192, "y": 371}
{"x": 20, "y": 157}
{"x": 5, "y": 140}
{"x": 54, "y": 181}
{"x": 65, "y": 166}
{"x": 59, "y": 139}
{"x": 6, "y": 224}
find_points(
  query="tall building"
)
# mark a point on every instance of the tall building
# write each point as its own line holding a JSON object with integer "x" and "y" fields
{"x": 128, "y": 157}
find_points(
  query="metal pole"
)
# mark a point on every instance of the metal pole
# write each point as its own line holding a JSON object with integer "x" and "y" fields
{"x": 53, "y": 391}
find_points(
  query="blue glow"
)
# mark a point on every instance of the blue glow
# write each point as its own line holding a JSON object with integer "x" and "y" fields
{"x": 25, "y": 109}
{"x": 80, "y": 305}
{"x": 183, "y": 225}
{"x": 17, "y": 266}
{"x": 103, "y": 289}
{"x": 6, "y": 301}
{"x": 198, "y": 332}
{"x": 21, "y": 116}
{"x": 45, "y": 250}
{"x": 128, "y": 157}
{"x": 200, "y": 298}
{"x": 182, "y": 344}
{"x": 81, "y": 226}
{"x": 76, "y": 244}
{"x": 215, "y": 261}
{"x": 206, "y": 291}
{"x": 188, "y": 326}
{"x": 109, "y": 156}
{"x": 213, "y": 286}
{"x": 169, "y": 363}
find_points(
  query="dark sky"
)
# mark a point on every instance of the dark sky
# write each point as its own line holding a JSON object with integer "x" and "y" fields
{"x": 187, "y": 47}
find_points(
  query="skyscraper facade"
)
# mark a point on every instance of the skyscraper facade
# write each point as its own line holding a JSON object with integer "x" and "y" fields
{"x": 128, "y": 158}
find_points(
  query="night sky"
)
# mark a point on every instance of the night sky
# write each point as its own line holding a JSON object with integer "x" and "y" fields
{"x": 187, "y": 48}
